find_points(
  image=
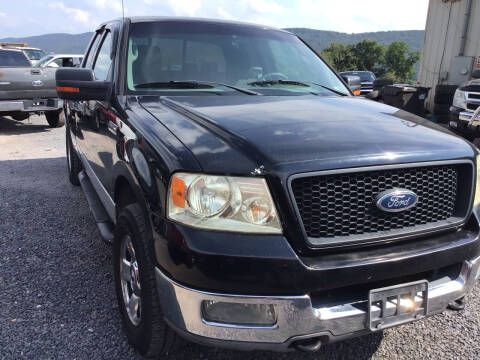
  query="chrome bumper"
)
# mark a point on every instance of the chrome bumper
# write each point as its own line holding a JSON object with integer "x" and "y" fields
{"x": 297, "y": 317}
{"x": 30, "y": 105}
{"x": 470, "y": 116}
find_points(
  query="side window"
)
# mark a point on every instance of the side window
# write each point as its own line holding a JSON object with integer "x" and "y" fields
{"x": 56, "y": 63}
{"x": 91, "y": 52}
{"x": 103, "y": 62}
{"x": 67, "y": 62}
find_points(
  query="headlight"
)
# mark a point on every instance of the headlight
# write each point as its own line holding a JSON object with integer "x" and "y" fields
{"x": 476, "y": 200}
{"x": 459, "y": 99}
{"x": 239, "y": 204}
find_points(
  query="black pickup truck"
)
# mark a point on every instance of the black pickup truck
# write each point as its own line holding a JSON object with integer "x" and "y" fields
{"x": 252, "y": 201}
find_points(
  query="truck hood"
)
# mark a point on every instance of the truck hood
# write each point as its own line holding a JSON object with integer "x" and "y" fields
{"x": 236, "y": 134}
{"x": 472, "y": 85}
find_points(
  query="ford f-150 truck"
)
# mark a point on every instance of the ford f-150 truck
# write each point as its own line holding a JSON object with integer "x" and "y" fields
{"x": 251, "y": 200}
{"x": 25, "y": 90}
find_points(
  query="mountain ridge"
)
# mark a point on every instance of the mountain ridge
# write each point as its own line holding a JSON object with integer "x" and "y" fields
{"x": 318, "y": 39}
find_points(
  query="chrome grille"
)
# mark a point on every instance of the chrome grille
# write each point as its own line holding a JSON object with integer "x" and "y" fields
{"x": 473, "y": 100}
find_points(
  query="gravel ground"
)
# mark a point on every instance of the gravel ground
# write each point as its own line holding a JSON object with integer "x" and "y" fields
{"x": 57, "y": 297}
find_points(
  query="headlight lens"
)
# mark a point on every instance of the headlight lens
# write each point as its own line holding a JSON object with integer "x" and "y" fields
{"x": 459, "y": 99}
{"x": 476, "y": 200}
{"x": 239, "y": 204}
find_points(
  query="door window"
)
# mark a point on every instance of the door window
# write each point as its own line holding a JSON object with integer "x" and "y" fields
{"x": 103, "y": 62}
{"x": 91, "y": 52}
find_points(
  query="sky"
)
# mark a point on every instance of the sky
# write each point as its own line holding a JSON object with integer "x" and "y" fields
{"x": 19, "y": 18}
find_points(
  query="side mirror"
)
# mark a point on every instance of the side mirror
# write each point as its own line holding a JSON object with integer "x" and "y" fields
{"x": 476, "y": 74}
{"x": 353, "y": 82}
{"x": 80, "y": 84}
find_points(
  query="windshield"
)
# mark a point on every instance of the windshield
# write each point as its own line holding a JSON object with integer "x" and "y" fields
{"x": 34, "y": 54}
{"x": 237, "y": 55}
{"x": 13, "y": 59}
{"x": 44, "y": 60}
{"x": 364, "y": 75}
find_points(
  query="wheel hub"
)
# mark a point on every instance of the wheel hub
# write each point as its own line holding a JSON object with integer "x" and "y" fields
{"x": 130, "y": 281}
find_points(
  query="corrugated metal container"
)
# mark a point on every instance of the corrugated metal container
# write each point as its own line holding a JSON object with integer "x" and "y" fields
{"x": 440, "y": 63}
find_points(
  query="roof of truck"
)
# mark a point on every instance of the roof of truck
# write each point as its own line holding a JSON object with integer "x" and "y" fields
{"x": 137, "y": 19}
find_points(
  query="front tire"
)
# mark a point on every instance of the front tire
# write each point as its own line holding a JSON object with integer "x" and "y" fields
{"x": 133, "y": 262}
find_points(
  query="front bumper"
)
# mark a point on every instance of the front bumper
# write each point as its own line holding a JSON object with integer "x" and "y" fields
{"x": 30, "y": 105}
{"x": 464, "y": 121}
{"x": 298, "y": 317}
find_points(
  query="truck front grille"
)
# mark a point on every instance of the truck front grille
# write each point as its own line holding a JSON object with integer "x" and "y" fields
{"x": 341, "y": 207}
{"x": 473, "y": 100}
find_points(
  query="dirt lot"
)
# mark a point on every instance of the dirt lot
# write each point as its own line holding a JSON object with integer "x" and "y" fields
{"x": 57, "y": 298}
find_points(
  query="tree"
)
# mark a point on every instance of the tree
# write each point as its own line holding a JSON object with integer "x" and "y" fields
{"x": 395, "y": 61}
{"x": 340, "y": 57}
{"x": 369, "y": 54}
{"x": 399, "y": 60}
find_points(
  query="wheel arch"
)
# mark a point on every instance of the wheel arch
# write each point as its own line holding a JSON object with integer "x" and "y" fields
{"x": 126, "y": 188}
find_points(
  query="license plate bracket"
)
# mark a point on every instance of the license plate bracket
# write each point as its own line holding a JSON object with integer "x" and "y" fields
{"x": 396, "y": 305}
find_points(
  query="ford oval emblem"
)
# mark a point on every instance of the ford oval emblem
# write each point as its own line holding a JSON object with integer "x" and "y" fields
{"x": 37, "y": 82}
{"x": 395, "y": 200}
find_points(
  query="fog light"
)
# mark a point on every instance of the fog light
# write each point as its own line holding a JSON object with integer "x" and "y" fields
{"x": 239, "y": 314}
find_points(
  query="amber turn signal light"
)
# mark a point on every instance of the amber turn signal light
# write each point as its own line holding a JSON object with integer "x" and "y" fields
{"x": 356, "y": 92}
{"x": 178, "y": 190}
{"x": 68, "y": 89}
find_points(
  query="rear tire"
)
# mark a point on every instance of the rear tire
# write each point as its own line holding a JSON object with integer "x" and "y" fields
{"x": 143, "y": 323}
{"x": 55, "y": 118}
{"x": 74, "y": 165}
{"x": 20, "y": 116}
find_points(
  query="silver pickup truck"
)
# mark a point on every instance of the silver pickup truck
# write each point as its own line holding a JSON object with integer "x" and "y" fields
{"x": 25, "y": 90}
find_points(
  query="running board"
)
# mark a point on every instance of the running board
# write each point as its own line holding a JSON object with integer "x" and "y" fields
{"x": 96, "y": 207}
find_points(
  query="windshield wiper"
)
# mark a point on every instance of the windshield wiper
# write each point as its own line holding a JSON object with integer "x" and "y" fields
{"x": 277, "y": 82}
{"x": 193, "y": 84}
{"x": 338, "y": 92}
{"x": 294, "y": 82}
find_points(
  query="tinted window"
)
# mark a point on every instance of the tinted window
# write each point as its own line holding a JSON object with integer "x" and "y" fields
{"x": 103, "y": 62}
{"x": 91, "y": 52}
{"x": 13, "y": 58}
{"x": 164, "y": 51}
{"x": 364, "y": 75}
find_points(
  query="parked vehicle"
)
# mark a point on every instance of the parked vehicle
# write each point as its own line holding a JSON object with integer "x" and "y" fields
{"x": 33, "y": 54}
{"x": 25, "y": 90}
{"x": 60, "y": 60}
{"x": 465, "y": 110}
{"x": 252, "y": 201}
{"x": 354, "y": 83}
{"x": 366, "y": 77}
